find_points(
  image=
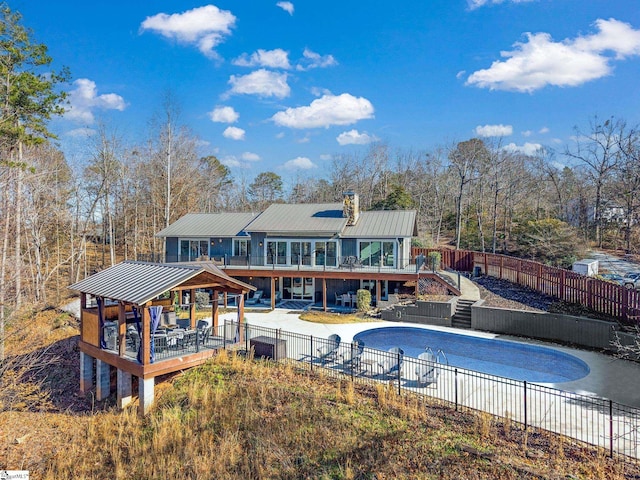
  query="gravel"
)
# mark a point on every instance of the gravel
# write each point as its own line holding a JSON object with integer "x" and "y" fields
{"x": 504, "y": 294}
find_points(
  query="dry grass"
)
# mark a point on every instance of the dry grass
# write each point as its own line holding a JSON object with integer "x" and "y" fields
{"x": 240, "y": 418}
{"x": 335, "y": 318}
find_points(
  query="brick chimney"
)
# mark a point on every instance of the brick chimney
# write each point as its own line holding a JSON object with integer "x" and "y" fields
{"x": 350, "y": 207}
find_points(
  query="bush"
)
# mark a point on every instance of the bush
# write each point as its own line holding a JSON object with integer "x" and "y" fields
{"x": 434, "y": 259}
{"x": 202, "y": 299}
{"x": 363, "y": 299}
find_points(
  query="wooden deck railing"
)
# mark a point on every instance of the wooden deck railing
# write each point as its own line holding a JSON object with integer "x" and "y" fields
{"x": 598, "y": 295}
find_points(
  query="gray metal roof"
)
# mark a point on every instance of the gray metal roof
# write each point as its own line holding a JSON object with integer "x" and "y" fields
{"x": 383, "y": 224}
{"x": 140, "y": 282}
{"x": 313, "y": 219}
{"x": 208, "y": 225}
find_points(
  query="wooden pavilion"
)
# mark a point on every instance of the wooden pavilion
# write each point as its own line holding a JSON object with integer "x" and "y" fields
{"x": 127, "y": 320}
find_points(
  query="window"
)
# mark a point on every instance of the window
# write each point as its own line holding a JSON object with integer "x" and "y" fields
{"x": 191, "y": 250}
{"x": 375, "y": 254}
{"x": 241, "y": 247}
{"x": 276, "y": 253}
{"x": 326, "y": 253}
{"x": 300, "y": 253}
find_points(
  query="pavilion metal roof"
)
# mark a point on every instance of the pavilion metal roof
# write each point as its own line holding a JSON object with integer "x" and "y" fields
{"x": 140, "y": 282}
{"x": 208, "y": 224}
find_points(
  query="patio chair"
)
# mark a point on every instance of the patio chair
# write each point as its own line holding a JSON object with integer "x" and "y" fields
{"x": 327, "y": 351}
{"x": 204, "y": 330}
{"x": 160, "y": 342}
{"x": 426, "y": 370}
{"x": 354, "y": 359}
{"x": 392, "y": 362}
{"x": 338, "y": 299}
{"x": 132, "y": 338}
{"x": 257, "y": 295}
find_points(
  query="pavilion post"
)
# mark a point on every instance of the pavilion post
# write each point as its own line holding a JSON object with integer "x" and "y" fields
{"x": 214, "y": 311}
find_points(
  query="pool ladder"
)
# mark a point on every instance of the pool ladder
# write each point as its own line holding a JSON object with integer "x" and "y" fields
{"x": 440, "y": 356}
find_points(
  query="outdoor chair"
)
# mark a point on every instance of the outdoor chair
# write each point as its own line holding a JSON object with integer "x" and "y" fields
{"x": 338, "y": 299}
{"x": 353, "y": 361}
{"x": 426, "y": 370}
{"x": 257, "y": 295}
{"x": 160, "y": 342}
{"x": 132, "y": 338}
{"x": 204, "y": 330}
{"x": 327, "y": 350}
{"x": 392, "y": 362}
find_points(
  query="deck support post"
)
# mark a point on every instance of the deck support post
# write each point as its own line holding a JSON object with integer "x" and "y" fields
{"x": 124, "y": 388}
{"x": 86, "y": 372}
{"x": 103, "y": 380}
{"x": 146, "y": 394}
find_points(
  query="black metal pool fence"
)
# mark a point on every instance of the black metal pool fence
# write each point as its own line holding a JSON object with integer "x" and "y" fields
{"x": 593, "y": 420}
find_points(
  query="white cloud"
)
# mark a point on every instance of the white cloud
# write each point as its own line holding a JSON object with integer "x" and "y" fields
{"x": 224, "y": 115}
{"x": 286, "y": 6}
{"x": 262, "y": 83}
{"x": 353, "y": 137}
{"x": 230, "y": 161}
{"x": 544, "y": 130}
{"x": 234, "y": 133}
{"x": 204, "y": 27}
{"x": 325, "y": 111}
{"x": 312, "y": 59}
{"x": 539, "y": 61}
{"x": 277, "y": 58}
{"x": 280, "y": 135}
{"x": 299, "y": 163}
{"x": 250, "y": 157}
{"x": 494, "y": 130}
{"x": 473, "y": 4}
{"x": 326, "y": 156}
{"x": 83, "y": 99}
{"x": 527, "y": 148}
{"x": 81, "y": 132}
{"x": 527, "y": 133}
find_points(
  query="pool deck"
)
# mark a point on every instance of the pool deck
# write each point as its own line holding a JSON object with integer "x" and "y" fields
{"x": 609, "y": 377}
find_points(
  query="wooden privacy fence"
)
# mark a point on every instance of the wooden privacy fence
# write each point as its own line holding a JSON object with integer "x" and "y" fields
{"x": 598, "y": 295}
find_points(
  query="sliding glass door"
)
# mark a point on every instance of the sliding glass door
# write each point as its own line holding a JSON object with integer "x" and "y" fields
{"x": 191, "y": 250}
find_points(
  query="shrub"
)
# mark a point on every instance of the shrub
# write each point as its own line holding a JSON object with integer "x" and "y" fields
{"x": 434, "y": 259}
{"x": 364, "y": 300}
{"x": 202, "y": 299}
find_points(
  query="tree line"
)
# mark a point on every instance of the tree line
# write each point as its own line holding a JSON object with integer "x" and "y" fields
{"x": 60, "y": 222}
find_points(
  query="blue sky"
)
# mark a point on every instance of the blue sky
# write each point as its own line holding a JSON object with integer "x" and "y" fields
{"x": 285, "y": 86}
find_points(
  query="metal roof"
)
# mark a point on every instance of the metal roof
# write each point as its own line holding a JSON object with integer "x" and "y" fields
{"x": 208, "y": 224}
{"x": 140, "y": 282}
{"x": 383, "y": 224}
{"x": 314, "y": 219}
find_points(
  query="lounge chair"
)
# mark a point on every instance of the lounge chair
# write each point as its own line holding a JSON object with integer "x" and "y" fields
{"x": 328, "y": 349}
{"x": 426, "y": 370}
{"x": 353, "y": 359}
{"x": 257, "y": 295}
{"x": 392, "y": 362}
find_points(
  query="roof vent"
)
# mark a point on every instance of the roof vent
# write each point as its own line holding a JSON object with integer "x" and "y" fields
{"x": 350, "y": 207}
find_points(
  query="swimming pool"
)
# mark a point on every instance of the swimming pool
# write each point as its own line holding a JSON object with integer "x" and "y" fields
{"x": 519, "y": 361}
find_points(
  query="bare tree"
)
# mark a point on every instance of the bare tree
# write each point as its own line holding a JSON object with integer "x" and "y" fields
{"x": 599, "y": 151}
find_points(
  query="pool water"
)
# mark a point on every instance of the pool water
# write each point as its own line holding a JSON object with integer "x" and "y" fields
{"x": 504, "y": 358}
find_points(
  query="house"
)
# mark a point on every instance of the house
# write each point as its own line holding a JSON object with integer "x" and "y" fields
{"x": 313, "y": 253}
